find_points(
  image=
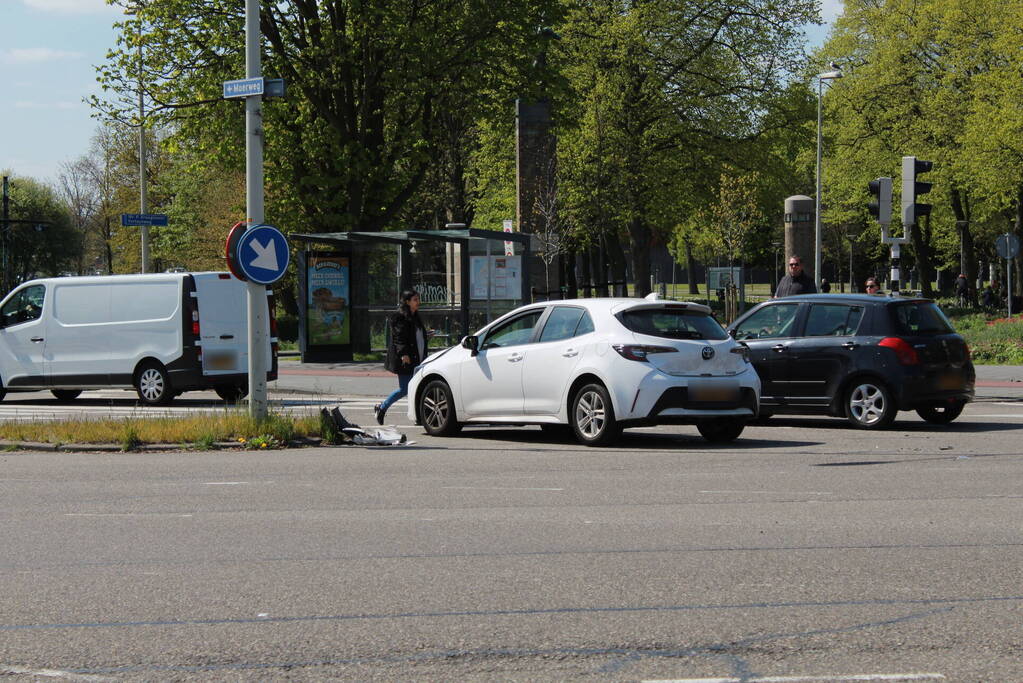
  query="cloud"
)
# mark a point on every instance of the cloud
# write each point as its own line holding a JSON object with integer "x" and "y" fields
{"x": 72, "y": 6}
{"x": 35, "y": 55}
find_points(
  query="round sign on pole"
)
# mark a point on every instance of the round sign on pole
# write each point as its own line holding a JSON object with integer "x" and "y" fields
{"x": 261, "y": 254}
{"x": 231, "y": 249}
{"x": 1007, "y": 245}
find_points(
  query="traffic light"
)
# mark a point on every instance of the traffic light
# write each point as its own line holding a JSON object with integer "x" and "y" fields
{"x": 881, "y": 207}
{"x": 912, "y": 210}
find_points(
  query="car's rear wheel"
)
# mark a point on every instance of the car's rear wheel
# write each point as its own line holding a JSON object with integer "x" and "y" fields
{"x": 593, "y": 417}
{"x": 721, "y": 429}
{"x": 437, "y": 409}
{"x": 153, "y": 385}
{"x": 869, "y": 405}
{"x": 66, "y": 394}
{"x": 231, "y": 393}
{"x": 941, "y": 413}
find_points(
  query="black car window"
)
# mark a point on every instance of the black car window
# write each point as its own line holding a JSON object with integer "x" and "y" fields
{"x": 672, "y": 323}
{"x": 24, "y": 306}
{"x": 561, "y": 323}
{"x": 513, "y": 332}
{"x": 830, "y": 320}
{"x": 773, "y": 320}
{"x": 920, "y": 317}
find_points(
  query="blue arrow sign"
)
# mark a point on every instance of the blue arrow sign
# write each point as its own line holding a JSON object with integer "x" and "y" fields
{"x": 263, "y": 254}
{"x": 245, "y": 87}
{"x": 129, "y": 219}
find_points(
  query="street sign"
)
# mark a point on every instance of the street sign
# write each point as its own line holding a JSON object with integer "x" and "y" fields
{"x": 245, "y": 87}
{"x": 130, "y": 219}
{"x": 1007, "y": 245}
{"x": 231, "y": 250}
{"x": 262, "y": 254}
{"x": 509, "y": 247}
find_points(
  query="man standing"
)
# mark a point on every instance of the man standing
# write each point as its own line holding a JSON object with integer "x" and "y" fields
{"x": 796, "y": 282}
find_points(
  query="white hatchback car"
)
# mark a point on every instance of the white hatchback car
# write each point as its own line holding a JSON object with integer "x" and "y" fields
{"x": 595, "y": 366}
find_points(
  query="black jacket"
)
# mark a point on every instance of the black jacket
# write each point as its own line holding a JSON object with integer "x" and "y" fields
{"x": 791, "y": 286}
{"x": 403, "y": 343}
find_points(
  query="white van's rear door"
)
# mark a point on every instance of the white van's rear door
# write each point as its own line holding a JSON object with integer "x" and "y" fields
{"x": 223, "y": 323}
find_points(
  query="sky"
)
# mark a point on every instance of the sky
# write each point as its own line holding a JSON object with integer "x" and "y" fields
{"x": 48, "y": 53}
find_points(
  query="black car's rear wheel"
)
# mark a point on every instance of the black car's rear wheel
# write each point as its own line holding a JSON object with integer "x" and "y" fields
{"x": 437, "y": 409}
{"x": 593, "y": 417}
{"x": 869, "y": 405}
{"x": 721, "y": 429}
{"x": 941, "y": 413}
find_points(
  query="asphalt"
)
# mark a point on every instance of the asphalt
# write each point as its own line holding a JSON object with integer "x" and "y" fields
{"x": 371, "y": 379}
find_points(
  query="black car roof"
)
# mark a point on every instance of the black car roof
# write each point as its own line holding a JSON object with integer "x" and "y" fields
{"x": 854, "y": 298}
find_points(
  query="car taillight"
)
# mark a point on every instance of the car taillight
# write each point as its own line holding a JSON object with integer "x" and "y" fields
{"x": 906, "y": 354}
{"x": 743, "y": 351}
{"x": 640, "y": 351}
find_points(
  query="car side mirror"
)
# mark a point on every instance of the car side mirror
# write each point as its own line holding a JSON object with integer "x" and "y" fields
{"x": 731, "y": 333}
{"x": 472, "y": 343}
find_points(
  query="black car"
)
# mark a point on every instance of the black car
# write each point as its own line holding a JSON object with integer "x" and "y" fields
{"x": 861, "y": 356}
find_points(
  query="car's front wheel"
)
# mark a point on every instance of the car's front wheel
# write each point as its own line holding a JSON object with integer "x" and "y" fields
{"x": 437, "y": 409}
{"x": 869, "y": 405}
{"x": 593, "y": 417}
{"x": 721, "y": 429}
{"x": 941, "y": 413}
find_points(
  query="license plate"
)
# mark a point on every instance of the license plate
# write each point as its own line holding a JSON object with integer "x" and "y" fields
{"x": 950, "y": 380}
{"x": 713, "y": 391}
{"x": 220, "y": 360}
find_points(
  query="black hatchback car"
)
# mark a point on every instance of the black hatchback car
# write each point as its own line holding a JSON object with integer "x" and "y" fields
{"x": 860, "y": 356}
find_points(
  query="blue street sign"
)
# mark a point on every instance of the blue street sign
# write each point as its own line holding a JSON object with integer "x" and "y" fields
{"x": 262, "y": 254}
{"x": 129, "y": 219}
{"x": 245, "y": 87}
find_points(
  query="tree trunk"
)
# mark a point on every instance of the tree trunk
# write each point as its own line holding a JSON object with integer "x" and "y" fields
{"x": 1017, "y": 274}
{"x": 922, "y": 249}
{"x": 967, "y": 260}
{"x": 615, "y": 256}
{"x": 641, "y": 235}
{"x": 694, "y": 286}
{"x": 570, "y": 278}
{"x": 587, "y": 273}
{"x": 600, "y": 269}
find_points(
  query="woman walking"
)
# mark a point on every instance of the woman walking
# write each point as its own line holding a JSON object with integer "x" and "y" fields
{"x": 406, "y": 350}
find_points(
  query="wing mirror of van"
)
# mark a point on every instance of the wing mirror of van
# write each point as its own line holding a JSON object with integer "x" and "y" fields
{"x": 472, "y": 343}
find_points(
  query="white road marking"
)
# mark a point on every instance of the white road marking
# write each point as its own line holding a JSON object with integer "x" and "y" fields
{"x": 787, "y": 493}
{"x": 500, "y": 488}
{"x": 127, "y": 514}
{"x": 807, "y": 679}
{"x": 226, "y": 483}
{"x": 48, "y": 673}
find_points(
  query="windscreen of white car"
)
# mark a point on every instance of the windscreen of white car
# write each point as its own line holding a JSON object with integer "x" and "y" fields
{"x": 672, "y": 323}
{"x": 513, "y": 332}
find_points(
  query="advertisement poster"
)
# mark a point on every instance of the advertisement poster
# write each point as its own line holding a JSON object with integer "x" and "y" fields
{"x": 328, "y": 300}
{"x": 504, "y": 274}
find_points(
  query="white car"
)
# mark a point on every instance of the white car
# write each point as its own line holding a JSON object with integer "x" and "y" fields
{"x": 595, "y": 366}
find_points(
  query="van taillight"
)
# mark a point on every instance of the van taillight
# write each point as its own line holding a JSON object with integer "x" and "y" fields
{"x": 195, "y": 323}
{"x": 906, "y": 354}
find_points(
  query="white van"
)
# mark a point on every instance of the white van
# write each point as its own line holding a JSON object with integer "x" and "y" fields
{"x": 160, "y": 334}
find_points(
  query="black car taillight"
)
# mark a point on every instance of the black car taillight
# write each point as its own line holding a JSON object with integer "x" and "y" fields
{"x": 906, "y": 354}
{"x": 640, "y": 351}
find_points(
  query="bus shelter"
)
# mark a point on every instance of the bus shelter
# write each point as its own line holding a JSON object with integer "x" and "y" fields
{"x": 349, "y": 284}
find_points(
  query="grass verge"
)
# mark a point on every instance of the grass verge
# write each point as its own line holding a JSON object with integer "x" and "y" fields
{"x": 200, "y": 432}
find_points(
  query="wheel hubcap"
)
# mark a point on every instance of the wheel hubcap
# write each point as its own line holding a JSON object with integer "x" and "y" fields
{"x": 866, "y": 403}
{"x": 151, "y": 383}
{"x": 589, "y": 414}
{"x": 435, "y": 408}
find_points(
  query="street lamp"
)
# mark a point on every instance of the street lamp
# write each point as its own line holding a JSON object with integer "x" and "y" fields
{"x": 826, "y": 76}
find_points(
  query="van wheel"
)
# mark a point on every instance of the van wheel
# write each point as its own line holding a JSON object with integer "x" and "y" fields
{"x": 593, "y": 417}
{"x": 231, "y": 393}
{"x": 153, "y": 385}
{"x": 66, "y": 394}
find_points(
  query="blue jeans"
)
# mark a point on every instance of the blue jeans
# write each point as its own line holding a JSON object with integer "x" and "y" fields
{"x": 398, "y": 393}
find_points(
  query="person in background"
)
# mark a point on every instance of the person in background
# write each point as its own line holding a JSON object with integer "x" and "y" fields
{"x": 406, "y": 350}
{"x": 871, "y": 286}
{"x": 825, "y": 286}
{"x": 962, "y": 290}
{"x": 796, "y": 282}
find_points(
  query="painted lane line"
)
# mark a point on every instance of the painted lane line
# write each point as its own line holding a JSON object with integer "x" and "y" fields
{"x": 48, "y": 673}
{"x": 226, "y": 483}
{"x": 499, "y": 488}
{"x": 127, "y": 514}
{"x": 808, "y": 679}
{"x": 787, "y": 493}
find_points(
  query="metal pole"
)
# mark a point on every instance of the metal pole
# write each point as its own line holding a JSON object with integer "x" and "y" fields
{"x": 817, "y": 195}
{"x": 1008, "y": 284}
{"x": 143, "y": 193}
{"x": 5, "y": 227}
{"x": 257, "y": 300}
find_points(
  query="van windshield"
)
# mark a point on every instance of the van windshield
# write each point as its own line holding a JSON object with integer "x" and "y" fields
{"x": 672, "y": 323}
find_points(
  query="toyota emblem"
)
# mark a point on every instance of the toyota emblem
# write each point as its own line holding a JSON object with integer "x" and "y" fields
{"x": 708, "y": 352}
